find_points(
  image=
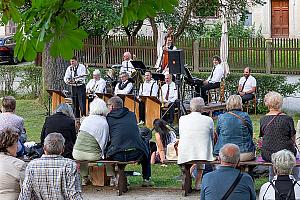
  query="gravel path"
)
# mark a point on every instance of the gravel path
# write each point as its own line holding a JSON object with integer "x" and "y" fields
{"x": 93, "y": 193}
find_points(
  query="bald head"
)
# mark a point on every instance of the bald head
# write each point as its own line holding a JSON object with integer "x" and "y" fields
{"x": 127, "y": 56}
{"x": 229, "y": 155}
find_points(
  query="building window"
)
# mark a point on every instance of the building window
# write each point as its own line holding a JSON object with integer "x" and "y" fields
{"x": 248, "y": 20}
{"x": 10, "y": 28}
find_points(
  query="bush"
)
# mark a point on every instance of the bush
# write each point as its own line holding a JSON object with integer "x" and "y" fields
{"x": 29, "y": 78}
{"x": 265, "y": 83}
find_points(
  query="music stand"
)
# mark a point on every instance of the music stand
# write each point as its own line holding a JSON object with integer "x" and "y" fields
{"x": 158, "y": 77}
{"x": 139, "y": 65}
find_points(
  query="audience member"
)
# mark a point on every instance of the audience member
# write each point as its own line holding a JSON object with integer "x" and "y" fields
{"x": 235, "y": 127}
{"x": 276, "y": 128}
{"x": 195, "y": 137}
{"x": 11, "y": 169}
{"x": 217, "y": 184}
{"x": 284, "y": 185}
{"x": 92, "y": 137}
{"x": 163, "y": 137}
{"x": 51, "y": 176}
{"x": 214, "y": 79}
{"x": 126, "y": 143}
{"x": 124, "y": 86}
{"x": 247, "y": 86}
{"x": 61, "y": 121}
{"x": 8, "y": 119}
{"x": 168, "y": 97}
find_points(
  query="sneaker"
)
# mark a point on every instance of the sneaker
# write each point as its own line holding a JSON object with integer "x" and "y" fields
{"x": 140, "y": 123}
{"x": 84, "y": 181}
{"x": 147, "y": 183}
{"x": 113, "y": 181}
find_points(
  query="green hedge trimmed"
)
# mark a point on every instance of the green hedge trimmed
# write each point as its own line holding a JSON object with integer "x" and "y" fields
{"x": 265, "y": 83}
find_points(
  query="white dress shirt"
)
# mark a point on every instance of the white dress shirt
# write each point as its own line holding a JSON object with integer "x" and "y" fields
{"x": 172, "y": 93}
{"x": 217, "y": 75}
{"x": 70, "y": 74}
{"x": 250, "y": 83}
{"x": 96, "y": 86}
{"x": 145, "y": 88}
{"x": 126, "y": 69}
{"x": 126, "y": 90}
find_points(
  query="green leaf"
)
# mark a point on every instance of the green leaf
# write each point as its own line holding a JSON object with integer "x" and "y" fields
{"x": 30, "y": 52}
{"x": 142, "y": 13}
{"x": 167, "y": 6}
{"x": 14, "y": 12}
{"x": 73, "y": 5}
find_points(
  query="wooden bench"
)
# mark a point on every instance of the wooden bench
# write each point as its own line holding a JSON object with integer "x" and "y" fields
{"x": 119, "y": 167}
{"x": 246, "y": 166}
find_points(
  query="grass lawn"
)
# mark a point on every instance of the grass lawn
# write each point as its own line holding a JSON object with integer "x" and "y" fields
{"x": 34, "y": 116}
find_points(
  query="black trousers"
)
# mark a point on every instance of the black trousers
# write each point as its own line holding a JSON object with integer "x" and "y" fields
{"x": 247, "y": 97}
{"x": 207, "y": 87}
{"x": 142, "y": 111}
{"x": 79, "y": 100}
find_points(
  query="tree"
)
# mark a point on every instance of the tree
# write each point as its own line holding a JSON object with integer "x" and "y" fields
{"x": 189, "y": 16}
{"x": 97, "y": 17}
{"x": 56, "y": 22}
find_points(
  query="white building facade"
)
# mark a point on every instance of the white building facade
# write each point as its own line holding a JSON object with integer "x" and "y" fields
{"x": 277, "y": 18}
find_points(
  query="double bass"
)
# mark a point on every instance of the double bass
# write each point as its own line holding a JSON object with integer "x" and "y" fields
{"x": 168, "y": 45}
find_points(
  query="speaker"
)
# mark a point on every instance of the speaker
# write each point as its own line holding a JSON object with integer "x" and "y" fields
{"x": 176, "y": 61}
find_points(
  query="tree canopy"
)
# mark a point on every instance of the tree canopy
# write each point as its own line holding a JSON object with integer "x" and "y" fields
{"x": 56, "y": 22}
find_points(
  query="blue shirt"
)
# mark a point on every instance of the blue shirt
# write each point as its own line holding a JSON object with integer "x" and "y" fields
{"x": 215, "y": 184}
{"x": 231, "y": 129}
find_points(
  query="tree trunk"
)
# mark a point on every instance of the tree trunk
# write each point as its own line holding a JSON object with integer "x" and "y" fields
{"x": 53, "y": 71}
{"x": 154, "y": 28}
{"x": 187, "y": 15}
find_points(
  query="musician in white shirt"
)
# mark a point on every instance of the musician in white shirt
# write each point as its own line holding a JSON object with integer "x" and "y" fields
{"x": 124, "y": 86}
{"x": 75, "y": 77}
{"x": 148, "y": 88}
{"x": 97, "y": 84}
{"x": 168, "y": 97}
{"x": 247, "y": 86}
{"x": 214, "y": 79}
{"x": 126, "y": 64}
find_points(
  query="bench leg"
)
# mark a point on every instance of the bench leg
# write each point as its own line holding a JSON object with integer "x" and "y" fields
{"x": 121, "y": 179}
{"x": 186, "y": 179}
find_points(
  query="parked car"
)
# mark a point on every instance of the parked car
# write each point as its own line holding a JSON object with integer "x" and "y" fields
{"x": 7, "y": 46}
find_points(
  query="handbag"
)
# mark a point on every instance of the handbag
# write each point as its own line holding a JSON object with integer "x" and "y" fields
{"x": 171, "y": 153}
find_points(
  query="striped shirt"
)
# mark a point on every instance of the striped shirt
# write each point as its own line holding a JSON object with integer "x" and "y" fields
{"x": 51, "y": 177}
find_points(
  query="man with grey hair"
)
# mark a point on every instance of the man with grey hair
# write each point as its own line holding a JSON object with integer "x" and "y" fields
{"x": 227, "y": 182}
{"x": 284, "y": 185}
{"x": 196, "y": 133}
{"x": 124, "y": 86}
{"x": 126, "y": 143}
{"x": 51, "y": 176}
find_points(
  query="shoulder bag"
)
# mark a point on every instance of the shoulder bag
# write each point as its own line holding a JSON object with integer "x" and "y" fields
{"x": 232, "y": 187}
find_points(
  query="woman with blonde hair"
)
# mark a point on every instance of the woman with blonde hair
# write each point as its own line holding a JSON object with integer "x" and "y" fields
{"x": 276, "y": 128}
{"x": 235, "y": 126}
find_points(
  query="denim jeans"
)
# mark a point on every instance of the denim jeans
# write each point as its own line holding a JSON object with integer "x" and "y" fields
{"x": 144, "y": 160}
